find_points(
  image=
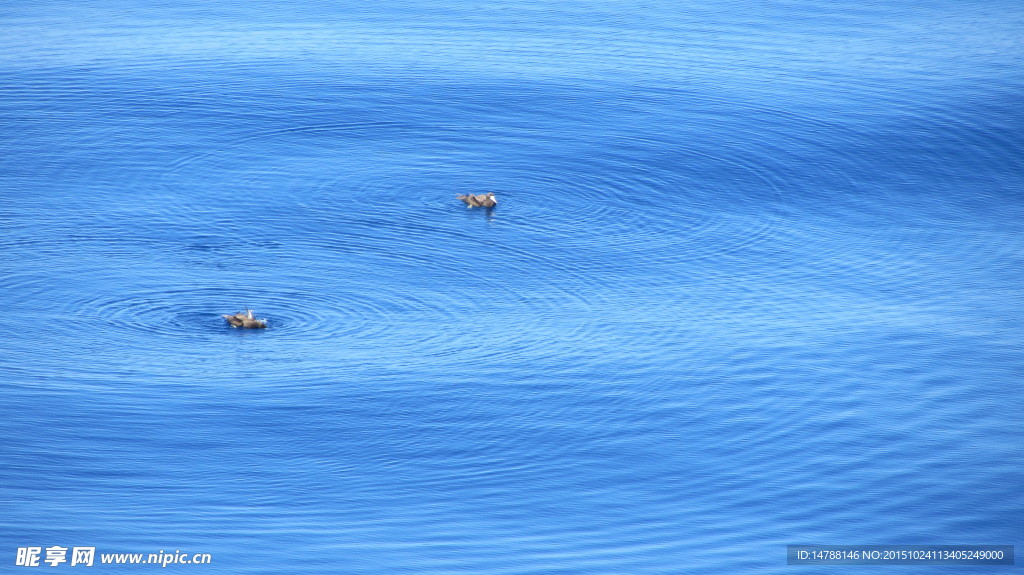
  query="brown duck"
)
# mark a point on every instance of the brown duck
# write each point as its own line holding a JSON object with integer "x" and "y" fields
{"x": 246, "y": 320}
{"x": 479, "y": 200}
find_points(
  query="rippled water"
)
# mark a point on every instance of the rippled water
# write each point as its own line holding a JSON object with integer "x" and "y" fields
{"x": 753, "y": 281}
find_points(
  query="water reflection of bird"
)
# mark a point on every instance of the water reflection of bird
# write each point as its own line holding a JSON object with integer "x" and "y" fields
{"x": 479, "y": 200}
{"x": 246, "y": 320}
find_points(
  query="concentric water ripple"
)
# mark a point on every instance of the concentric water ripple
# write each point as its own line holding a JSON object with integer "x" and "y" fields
{"x": 396, "y": 169}
{"x": 382, "y": 194}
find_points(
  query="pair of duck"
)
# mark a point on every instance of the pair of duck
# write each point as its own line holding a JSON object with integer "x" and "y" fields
{"x": 248, "y": 320}
{"x": 479, "y": 200}
{"x": 245, "y": 320}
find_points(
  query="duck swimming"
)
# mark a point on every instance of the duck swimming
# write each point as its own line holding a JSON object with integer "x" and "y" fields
{"x": 245, "y": 320}
{"x": 479, "y": 200}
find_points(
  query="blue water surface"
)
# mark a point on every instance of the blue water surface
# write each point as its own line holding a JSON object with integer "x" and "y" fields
{"x": 753, "y": 280}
